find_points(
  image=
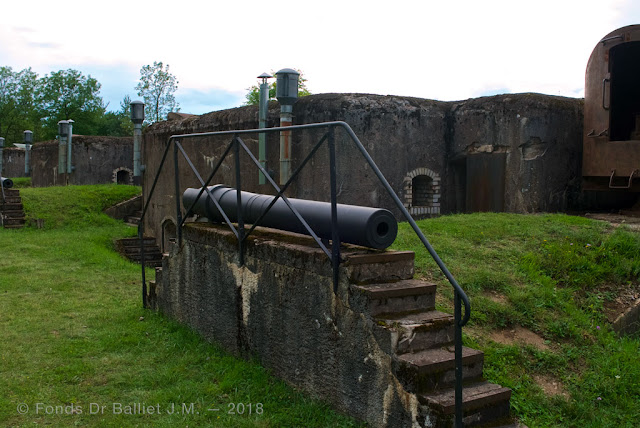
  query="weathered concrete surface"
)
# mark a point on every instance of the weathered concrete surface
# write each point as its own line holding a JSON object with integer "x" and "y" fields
{"x": 533, "y": 139}
{"x": 540, "y": 136}
{"x": 96, "y": 160}
{"x": 12, "y": 162}
{"x": 280, "y": 308}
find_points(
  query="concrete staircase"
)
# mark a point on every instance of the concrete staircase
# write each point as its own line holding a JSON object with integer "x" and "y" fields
{"x": 134, "y": 218}
{"x": 131, "y": 249}
{"x": 420, "y": 341}
{"x": 11, "y": 210}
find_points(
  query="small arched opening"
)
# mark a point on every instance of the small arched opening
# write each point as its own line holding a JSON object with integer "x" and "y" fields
{"x": 168, "y": 234}
{"x": 422, "y": 193}
{"x": 122, "y": 176}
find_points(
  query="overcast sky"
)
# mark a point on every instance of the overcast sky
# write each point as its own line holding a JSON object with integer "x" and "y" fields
{"x": 444, "y": 50}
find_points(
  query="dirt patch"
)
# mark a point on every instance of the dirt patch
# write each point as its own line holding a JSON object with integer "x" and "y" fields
{"x": 521, "y": 336}
{"x": 627, "y": 296}
{"x": 617, "y": 220}
{"x": 497, "y": 297}
{"x": 550, "y": 386}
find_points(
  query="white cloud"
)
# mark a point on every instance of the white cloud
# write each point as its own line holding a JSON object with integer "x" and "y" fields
{"x": 441, "y": 50}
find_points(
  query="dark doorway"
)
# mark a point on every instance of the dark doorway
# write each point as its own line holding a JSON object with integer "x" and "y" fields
{"x": 485, "y": 182}
{"x": 122, "y": 177}
{"x": 422, "y": 191}
{"x": 624, "y": 66}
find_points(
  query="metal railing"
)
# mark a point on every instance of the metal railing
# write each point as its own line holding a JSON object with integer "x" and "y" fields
{"x": 237, "y": 144}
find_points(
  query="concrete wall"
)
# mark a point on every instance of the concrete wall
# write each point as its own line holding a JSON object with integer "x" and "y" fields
{"x": 12, "y": 162}
{"x": 280, "y": 309}
{"x": 539, "y": 137}
{"x": 96, "y": 161}
{"x": 533, "y": 140}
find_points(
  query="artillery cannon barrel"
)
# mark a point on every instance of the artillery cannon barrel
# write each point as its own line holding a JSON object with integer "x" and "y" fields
{"x": 7, "y": 183}
{"x": 369, "y": 227}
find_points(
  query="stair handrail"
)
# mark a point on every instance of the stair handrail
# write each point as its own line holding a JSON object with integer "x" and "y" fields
{"x": 460, "y": 296}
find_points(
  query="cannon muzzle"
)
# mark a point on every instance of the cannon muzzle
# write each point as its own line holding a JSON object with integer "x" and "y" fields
{"x": 369, "y": 227}
{"x": 7, "y": 183}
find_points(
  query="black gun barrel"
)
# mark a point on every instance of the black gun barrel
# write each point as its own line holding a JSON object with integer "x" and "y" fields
{"x": 369, "y": 227}
{"x": 7, "y": 183}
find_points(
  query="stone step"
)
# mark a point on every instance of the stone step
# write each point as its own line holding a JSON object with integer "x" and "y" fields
{"x": 148, "y": 249}
{"x": 11, "y": 199}
{"x": 415, "y": 332}
{"x": 482, "y": 403}
{"x": 13, "y": 226}
{"x": 130, "y": 248}
{"x": 13, "y": 221}
{"x": 379, "y": 267}
{"x": 11, "y": 206}
{"x": 404, "y": 296}
{"x": 132, "y": 220}
{"x": 11, "y": 192}
{"x": 13, "y": 214}
{"x": 134, "y": 242}
{"x": 431, "y": 369}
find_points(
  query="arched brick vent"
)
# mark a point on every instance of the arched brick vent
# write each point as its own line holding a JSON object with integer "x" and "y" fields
{"x": 422, "y": 192}
{"x": 122, "y": 175}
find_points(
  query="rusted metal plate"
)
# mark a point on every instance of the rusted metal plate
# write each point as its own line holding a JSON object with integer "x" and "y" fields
{"x": 485, "y": 182}
{"x": 612, "y": 108}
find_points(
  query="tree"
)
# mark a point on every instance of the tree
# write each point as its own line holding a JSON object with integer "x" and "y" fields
{"x": 17, "y": 104}
{"x": 118, "y": 123}
{"x": 68, "y": 94}
{"x": 253, "y": 96}
{"x": 157, "y": 86}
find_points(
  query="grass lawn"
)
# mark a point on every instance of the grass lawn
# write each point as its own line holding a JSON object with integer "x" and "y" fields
{"x": 540, "y": 288}
{"x": 77, "y": 349}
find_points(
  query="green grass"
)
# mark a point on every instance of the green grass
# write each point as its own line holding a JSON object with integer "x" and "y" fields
{"x": 21, "y": 182}
{"x": 555, "y": 274}
{"x": 74, "y": 336}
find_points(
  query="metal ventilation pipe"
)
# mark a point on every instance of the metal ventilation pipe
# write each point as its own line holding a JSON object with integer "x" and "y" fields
{"x": 137, "y": 117}
{"x": 28, "y": 139}
{"x": 1, "y": 153}
{"x": 287, "y": 95}
{"x": 63, "y": 130}
{"x": 263, "y": 105}
{"x": 69, "y": 133}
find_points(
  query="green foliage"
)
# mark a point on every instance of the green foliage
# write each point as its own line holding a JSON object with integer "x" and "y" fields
{"x": 252, "y": 98}
{"x": 68, "y": 94}
{"x": 21, "y": 182}
{"x": 18, "y": 110}
{"x": 157, "y": 87}
{"x": 74, "y": 206}
{"x": 118, "y": 123}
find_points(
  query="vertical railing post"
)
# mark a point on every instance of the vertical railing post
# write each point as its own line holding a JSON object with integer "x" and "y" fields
{"x": 335, "y": 238}
{"x": 458, "y": 358}
{"x": 177, "y": 192}
{"x": 144, "y": 281}
{"x": 239, "y": 210}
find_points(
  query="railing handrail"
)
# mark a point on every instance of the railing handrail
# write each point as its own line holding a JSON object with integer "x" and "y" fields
{"x": 459, "y": 294}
